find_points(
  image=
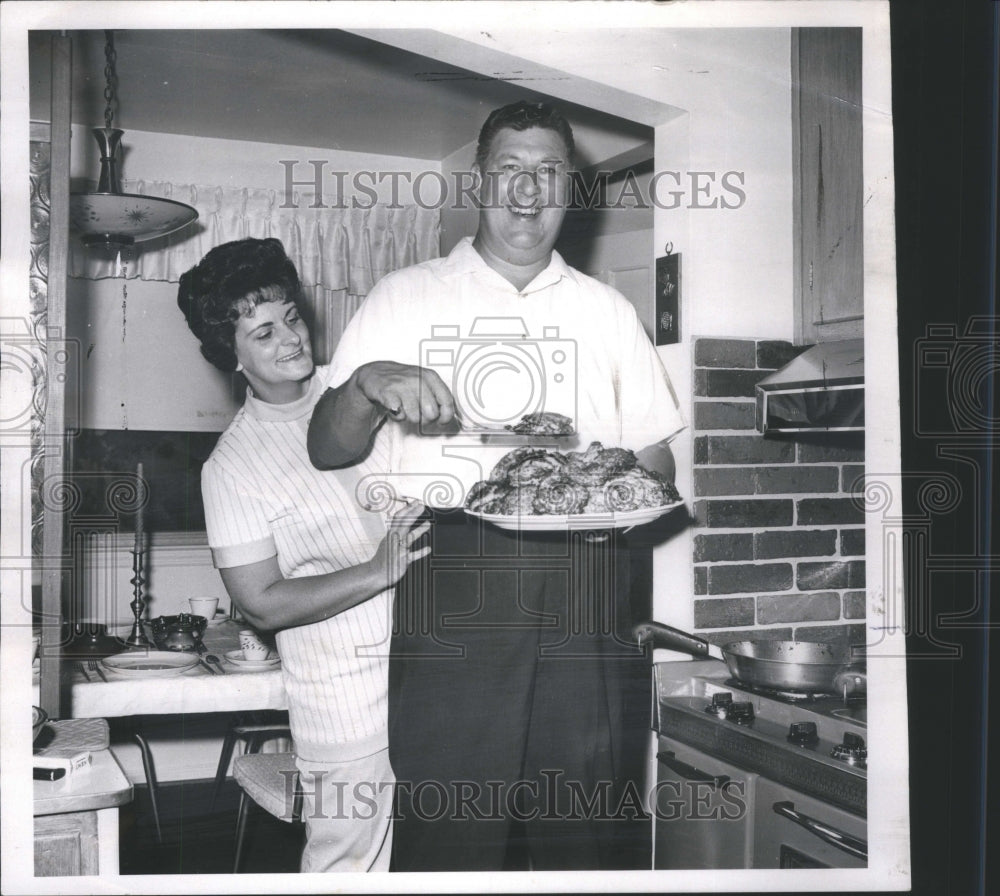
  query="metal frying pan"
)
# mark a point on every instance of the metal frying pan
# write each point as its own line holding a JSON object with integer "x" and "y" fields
{"x": 800, "y": 666}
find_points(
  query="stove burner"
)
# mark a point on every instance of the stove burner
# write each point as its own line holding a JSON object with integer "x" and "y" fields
{"x": 775, "y": 693}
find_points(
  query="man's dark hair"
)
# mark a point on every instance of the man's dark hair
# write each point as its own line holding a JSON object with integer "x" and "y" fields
{"x": 232, "y": 279}
{"x": 520, "y": 116}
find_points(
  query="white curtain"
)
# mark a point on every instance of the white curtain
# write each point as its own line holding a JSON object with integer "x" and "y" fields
{"x": 339, "y": 252}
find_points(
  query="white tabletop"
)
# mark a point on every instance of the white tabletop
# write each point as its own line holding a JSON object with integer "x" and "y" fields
{"x": 193, "y": 691}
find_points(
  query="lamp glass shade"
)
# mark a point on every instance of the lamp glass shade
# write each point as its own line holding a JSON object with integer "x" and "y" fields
{"x": 108, "y": 217}
{"x": 126, "y": 218}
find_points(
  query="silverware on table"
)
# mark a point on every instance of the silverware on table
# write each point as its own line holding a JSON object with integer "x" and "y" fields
{"x": 215, "y": 661}
{"x": 94, "y": 666}
{"x": 209, "y": 666}
{"x": 86, "y": 674}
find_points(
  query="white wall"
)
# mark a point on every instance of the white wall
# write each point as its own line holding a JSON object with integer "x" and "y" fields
{"x": 737, "y": 265}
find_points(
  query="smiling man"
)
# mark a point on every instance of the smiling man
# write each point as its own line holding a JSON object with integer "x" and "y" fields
{"x": 518, "y": 707}
{"x": 525, "y": 184}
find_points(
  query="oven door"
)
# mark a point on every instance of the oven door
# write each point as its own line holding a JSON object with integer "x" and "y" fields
{"x": 703, "y": 809}
{"x": 793, "y": 830}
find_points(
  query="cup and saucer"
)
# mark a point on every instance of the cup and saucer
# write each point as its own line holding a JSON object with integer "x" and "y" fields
{"x": 253, "y": 655}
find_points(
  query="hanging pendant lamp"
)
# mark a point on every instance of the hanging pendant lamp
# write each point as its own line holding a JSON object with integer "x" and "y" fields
{"x": 109, "y": 218}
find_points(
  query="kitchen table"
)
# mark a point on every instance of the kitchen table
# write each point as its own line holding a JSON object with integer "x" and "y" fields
{"x": 194, "y": 691}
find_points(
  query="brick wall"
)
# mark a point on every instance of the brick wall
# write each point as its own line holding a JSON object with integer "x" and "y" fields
{"x": 779, "y": 543}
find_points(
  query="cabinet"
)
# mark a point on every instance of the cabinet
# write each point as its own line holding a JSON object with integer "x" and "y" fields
{"x": 66, "y": 845}
{"x": 827, "y": 183}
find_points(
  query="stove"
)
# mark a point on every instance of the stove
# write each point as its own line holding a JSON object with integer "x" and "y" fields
{"x": 815, "y": 743}
{"x": 786, "y": 749}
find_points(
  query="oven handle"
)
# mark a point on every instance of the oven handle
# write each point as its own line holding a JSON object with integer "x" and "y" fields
{"x": 689, "y": 772}
{"x": 853, "y": 845}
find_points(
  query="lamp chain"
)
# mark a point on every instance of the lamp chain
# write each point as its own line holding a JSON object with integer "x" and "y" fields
{"x": 110, "y": 77}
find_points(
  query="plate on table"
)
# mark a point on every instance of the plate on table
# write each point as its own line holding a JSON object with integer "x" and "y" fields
{"x": 219, "y": 617}
{"x": 236, "y": 658}
{"x": 149, "y": 663}
{"x": 544, "y": 522}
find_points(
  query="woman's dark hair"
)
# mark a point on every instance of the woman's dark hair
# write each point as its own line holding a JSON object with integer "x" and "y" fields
{"x": 520, "y": 116}
{"x": 229, "y": 281}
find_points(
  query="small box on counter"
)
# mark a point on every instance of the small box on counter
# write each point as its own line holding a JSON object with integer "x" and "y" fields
{"x": 68, "y": 764}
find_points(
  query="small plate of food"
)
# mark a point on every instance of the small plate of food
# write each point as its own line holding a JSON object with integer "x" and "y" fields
{"x": 530, "y": 429}
{"x": 536, "y": 489}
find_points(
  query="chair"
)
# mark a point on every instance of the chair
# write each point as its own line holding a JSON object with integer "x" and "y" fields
{"x": 151, "y": 785}
{"x": 131, "y": 728}
{"x": 255, "y": 733}
{"x": 271, "y": 780}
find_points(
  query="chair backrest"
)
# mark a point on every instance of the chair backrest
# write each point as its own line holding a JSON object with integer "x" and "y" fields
{"x": 271, "y": 780}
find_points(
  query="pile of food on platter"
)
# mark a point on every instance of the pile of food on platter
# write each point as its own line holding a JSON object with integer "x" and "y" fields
{"x": 531, "y": 480}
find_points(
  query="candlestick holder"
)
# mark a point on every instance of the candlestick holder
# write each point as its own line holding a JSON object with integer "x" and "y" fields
{"x": 137, "y": 637}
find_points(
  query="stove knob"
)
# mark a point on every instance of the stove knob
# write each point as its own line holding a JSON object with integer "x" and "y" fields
{"x": 803, "y": 734}
{"x": 721, "y": 702}
{"x": 741, "y": 713}
{"x": 852, "y": 750}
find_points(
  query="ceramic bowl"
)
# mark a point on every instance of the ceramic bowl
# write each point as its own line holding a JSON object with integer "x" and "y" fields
{"x": 180, "y": 632}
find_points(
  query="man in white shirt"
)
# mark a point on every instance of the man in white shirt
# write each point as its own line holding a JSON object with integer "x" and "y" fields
{"x": 518, "y": 708}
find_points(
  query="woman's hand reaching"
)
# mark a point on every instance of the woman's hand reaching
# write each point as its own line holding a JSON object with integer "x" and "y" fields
{"x": 396, "y": 551}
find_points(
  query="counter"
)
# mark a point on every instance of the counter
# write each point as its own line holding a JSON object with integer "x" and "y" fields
{"x": 76, "y": 818}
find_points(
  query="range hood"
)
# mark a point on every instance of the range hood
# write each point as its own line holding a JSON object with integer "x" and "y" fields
{"x": 822, "y": 390}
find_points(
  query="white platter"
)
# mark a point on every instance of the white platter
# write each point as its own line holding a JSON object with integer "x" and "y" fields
{"x": 236, "y": 658}
{"x": 149, "y": 663}
{"x": 219, "y": 617}
{"x": 566, "y": 522}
